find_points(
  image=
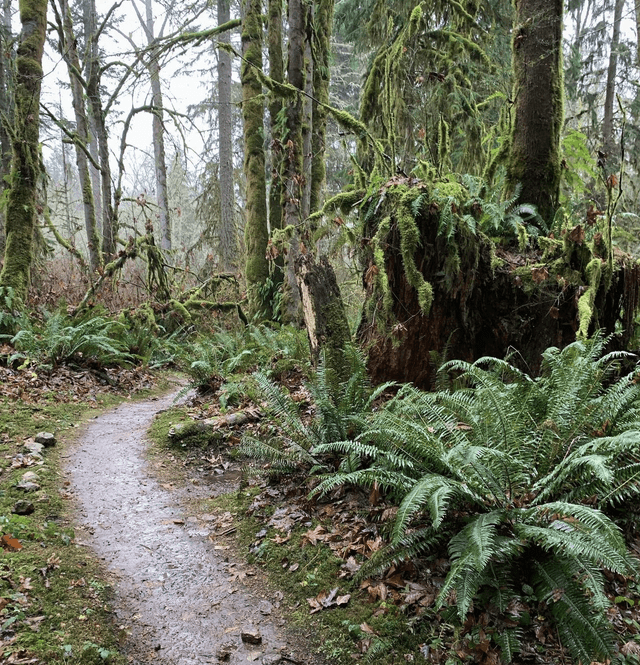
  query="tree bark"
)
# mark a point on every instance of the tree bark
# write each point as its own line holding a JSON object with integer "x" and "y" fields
{"x": 99, "y": 146}
{"x": 227, "y": 229}
{"x": 637, "y": 8}
{"x": 159, "y": 158}
{"x": 322, "y": 29}
{"x": 25, "y": 172}
{"x": 91, "y": 64}
{"x": 276, "y": 71}
{"x": 82, "y": 131}
{"x": 293, "y": 161}
{"x": 256, "y": 233}
{"x": 608, "y": 140}
{"x": 7, "y": 85}
{"x": 307, "y": 126}
{"x": 534, "y": 159}
{"x": 324, "y": 314}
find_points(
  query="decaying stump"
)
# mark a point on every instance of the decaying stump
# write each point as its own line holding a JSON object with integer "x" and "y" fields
{"x": 323, "y": 310}
{"x": 437, "y": 293}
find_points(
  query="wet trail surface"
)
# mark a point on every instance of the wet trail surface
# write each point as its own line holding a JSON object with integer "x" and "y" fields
{"x": 174, "y": 590}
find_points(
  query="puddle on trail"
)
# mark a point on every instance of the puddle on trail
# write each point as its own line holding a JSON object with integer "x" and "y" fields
{"x": 173, "y": 589}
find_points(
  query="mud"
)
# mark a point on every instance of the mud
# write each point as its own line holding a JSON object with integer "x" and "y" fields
{"x": 176, "y": 597}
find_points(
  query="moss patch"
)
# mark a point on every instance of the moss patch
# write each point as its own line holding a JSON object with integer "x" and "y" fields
{"x": 53, "y": 593}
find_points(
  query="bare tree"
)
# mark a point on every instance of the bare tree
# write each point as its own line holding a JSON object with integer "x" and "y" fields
{"x": 608, "y": 140}
{"x": 153, "y": 66}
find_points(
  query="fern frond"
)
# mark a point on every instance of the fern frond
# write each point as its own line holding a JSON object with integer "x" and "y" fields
{"x": 585, "y": 632}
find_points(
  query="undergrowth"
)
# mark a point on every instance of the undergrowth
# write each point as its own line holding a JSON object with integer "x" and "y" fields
{"x": 517, "y": 477}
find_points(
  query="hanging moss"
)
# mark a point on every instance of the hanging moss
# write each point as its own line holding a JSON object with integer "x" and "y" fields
{"x": 381, "y": 278}
{"x": 587, "y": 299}
{"x": 409, "y": 243}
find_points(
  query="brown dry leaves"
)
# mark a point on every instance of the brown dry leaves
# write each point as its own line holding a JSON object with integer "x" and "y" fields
{"x": 33, "y": 387}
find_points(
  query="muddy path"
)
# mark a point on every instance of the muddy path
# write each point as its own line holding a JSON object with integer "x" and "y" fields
{"x": 176, "y": 595}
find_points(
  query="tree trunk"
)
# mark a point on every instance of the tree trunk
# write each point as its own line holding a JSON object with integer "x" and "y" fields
{"x": 99, "y": 146}
{"x": 91, "y": 64}
{"x": 637, "y": 8}
{"x": 7, "y": 86}
{"x": 21, "y": 204}
{"x": 307, "y": 128}
{"x": 324, "y": 314}
{"x": 608, "y": 140}
{"x": 159, "y": 158}
{"x": 322, "y": 28}
{"x": 82, "y": 131}
{"x": 227, "y": 232}
{"x": 534, "y": 159}
{"x": 256, "y": 234}
{"x": 293, "y": 161}
{"x": 276, "y": 71}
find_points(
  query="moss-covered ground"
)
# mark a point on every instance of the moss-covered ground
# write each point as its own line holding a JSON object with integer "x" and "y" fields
{"x": 54, "y": 600}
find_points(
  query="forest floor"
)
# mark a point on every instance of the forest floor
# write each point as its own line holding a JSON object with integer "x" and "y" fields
{"x": 142, "y": 546}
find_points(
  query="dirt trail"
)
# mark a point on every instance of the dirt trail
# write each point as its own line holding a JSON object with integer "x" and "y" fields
{"x": 173, "y": 589}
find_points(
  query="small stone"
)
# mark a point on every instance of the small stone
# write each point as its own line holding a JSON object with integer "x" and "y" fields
{"x": 29, "y": 477}
{"x": 34, "y": 448}
{"x": 271, "y": 659}
{"x": 223, "y": 654}
{"x": 46, "y": 439}
{"x": 28, "y": 487}
{"x": 265, "y": 607}
{"x": 23, "y": 507}
{"x": 251, "y": 635}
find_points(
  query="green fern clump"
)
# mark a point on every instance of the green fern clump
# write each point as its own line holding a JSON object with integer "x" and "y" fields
{"x": 516, "y": 475}
{"x": 497, "y": 218}
{"x": 341, "y": 411}
{"x": 272, "y": 349}
{"x": 94, "y": 340}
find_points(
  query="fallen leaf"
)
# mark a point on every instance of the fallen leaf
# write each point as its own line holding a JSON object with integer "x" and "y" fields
{"x": 10, "y": 543}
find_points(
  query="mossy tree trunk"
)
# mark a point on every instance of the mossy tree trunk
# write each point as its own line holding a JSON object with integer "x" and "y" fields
{"x": 534, "y": 157}
{"x": 227, "y": 232}
{"x": 256, "y": 233}
{"x": 322, "y": 28}
{"x": 276, "y": 107}
{"x": 7, "y": 86}
{"x": 293, "y": 159}
{"x": 25, "y": 171}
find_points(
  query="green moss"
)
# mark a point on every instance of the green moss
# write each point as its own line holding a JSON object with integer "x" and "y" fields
{"x": 409, "y": 242}
{"x": 587, "y": 299}
{"x": 382, "y": 280}
{"x": 256, "y": 234}
{"x": 451, "y": 189}
{"x": 551, "y": 247}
